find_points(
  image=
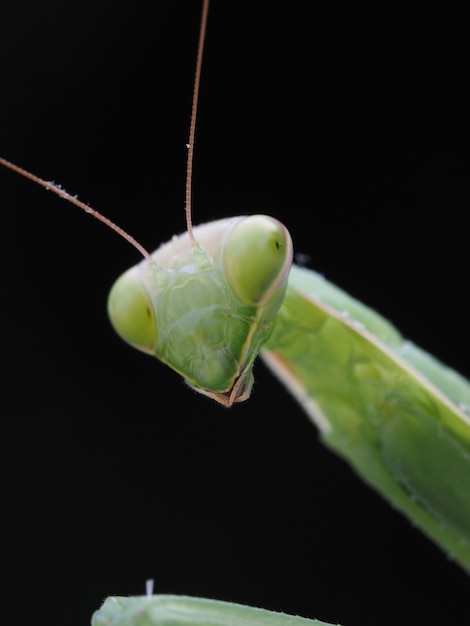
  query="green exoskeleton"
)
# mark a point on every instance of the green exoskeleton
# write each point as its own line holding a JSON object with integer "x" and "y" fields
{"x": 395, "y": 413}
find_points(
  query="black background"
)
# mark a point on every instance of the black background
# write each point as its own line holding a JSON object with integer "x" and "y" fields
{"x": 345, "y": 122}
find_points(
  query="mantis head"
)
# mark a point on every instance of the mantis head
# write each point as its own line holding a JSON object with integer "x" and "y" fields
{"x": 206, "y": 308}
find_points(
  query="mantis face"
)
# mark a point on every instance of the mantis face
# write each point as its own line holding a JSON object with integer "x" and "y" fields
{"x": 206, "y": 309}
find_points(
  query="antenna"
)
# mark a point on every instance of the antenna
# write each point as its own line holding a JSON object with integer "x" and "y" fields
{"x": 50, "y": 186}
{"x": 192, "y": 127}
{"x": 55, "y": 188}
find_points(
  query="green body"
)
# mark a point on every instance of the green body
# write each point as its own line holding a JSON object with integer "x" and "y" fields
{"x": 396, "y": 414}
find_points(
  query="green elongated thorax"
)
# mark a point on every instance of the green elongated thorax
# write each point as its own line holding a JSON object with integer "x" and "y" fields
{"x": 405, "y": 433}
{"x": 206, "y": 309}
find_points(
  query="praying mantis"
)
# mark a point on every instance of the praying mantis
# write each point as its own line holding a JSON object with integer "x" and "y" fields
{"x": 312, "y": 240}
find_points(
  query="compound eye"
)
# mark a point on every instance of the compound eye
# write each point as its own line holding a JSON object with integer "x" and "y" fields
{"x": 132, "y": 314}
{"x": 257, "y": 258}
